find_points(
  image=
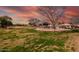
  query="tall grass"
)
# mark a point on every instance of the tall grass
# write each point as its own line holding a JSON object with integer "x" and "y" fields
{"x": 36, "y": 41}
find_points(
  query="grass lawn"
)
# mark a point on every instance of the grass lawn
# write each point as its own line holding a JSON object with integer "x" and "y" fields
{"x": 30, "y": 40}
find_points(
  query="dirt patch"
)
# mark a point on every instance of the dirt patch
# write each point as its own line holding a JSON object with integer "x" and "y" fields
{"x": 18, "y": 42}
{"x": 76, "y": 43}
{"x": 73, "y": 42}
{"x": 10, "y": 43}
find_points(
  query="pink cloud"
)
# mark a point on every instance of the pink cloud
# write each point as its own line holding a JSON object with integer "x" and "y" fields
{"x": 23, "y": 12}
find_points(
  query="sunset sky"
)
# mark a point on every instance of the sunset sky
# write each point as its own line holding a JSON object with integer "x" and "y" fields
{"x": 21, "y": 14}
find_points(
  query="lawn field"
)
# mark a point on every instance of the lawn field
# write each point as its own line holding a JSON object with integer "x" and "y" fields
{"x": 30, "y": 40}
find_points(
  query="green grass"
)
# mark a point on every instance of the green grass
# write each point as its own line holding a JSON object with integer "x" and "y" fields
{"x": 34, "y": 41}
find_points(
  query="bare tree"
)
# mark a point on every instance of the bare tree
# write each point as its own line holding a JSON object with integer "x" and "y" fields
{"x": 52, "y": 13}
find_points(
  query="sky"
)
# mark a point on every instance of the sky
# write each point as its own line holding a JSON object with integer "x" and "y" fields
{"x": 20, "y": 14}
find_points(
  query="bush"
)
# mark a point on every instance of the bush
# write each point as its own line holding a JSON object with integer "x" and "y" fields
{"x": 75, "y": 30}
{"x": 18, "y": 49}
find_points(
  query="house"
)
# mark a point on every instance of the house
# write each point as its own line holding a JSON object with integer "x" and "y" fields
{"x": 65, "y": 26}
{"x": 75, "y": 26}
